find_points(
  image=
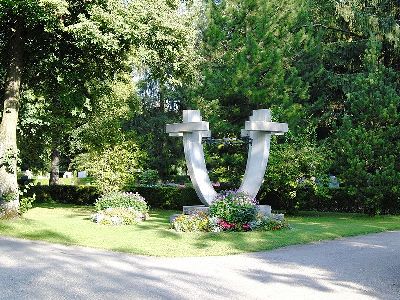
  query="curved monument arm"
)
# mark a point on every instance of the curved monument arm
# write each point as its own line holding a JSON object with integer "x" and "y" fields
{"x": 259, "y": 129}
{"x": 193, "y": 129}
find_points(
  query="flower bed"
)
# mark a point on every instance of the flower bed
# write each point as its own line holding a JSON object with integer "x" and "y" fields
{"x": 230, "y": 211}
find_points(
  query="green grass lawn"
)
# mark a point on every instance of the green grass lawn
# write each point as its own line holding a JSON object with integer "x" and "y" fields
{"x": 68, "y": 224}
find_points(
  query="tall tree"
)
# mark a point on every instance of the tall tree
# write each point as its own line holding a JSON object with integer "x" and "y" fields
{"x": 71, "y": 43}
{"x": 357, "y": 98}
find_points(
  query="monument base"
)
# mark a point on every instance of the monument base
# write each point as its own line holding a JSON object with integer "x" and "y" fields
{"x": 264, "y": 210}
{"x": 195, "y": 209}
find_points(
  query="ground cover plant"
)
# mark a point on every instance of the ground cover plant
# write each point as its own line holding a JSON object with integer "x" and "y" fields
{"x": 69, "y": 224}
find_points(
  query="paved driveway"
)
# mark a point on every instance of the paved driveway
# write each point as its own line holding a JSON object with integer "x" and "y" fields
{"x": 365, "y": 267}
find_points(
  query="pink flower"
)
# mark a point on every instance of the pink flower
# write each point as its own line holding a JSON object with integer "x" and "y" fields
{"x": 246, "y": 227}
{"x": 226, "y": 225}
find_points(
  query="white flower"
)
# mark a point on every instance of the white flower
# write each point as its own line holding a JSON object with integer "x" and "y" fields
{"x": 116, "y": 220}
{"x": 97, "y": 217}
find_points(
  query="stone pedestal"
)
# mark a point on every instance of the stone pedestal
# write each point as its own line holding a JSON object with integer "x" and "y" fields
{"x": 194, "y": 209}
{"x": 278, "y": 217}
{"x": 173, "y": 217}
{"x": 265, "y": 210}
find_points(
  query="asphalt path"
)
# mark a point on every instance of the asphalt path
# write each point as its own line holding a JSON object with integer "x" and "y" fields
{"x": 363, "y": 267}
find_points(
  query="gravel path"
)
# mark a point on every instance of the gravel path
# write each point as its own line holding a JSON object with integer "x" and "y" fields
{"x": 364, "y": 267}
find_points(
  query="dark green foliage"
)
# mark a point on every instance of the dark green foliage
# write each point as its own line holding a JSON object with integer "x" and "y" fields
{"x": 293, "y": 167}
{"x": 149, "y": 177}
{"x": 234, "y": 207}
{"x": 167, "y": 197}
{"x": 357, "y": 98}
{"x": 328, "y": 68}
{"x": 69, "y": 194}
{"x": 25, "y": 203}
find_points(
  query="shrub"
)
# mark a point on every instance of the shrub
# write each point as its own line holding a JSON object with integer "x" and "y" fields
{"x": 25, "y": 203}
{"x": 167, "y": 197}
{"x": 68, "y": 194}
{"x": 192, "y": 223}
{"x": 112, "y": 168}
{"x": 149, "y": 177}
{"x": 202, "y": 222}
{"x": 160, "y": 196}
{"x": 119, "y": 216}
{"x": 122, "y": 200}
{"x": 268, "y": 223}
{"x": 230, "y": 211}
{"x": 234, "y": 207}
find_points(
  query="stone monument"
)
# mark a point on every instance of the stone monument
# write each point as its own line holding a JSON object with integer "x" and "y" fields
{"x": 258, "y": 130}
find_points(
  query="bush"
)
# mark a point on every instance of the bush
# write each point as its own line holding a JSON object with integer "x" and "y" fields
{"x": 234, "y": 207}
{"x": 67, "y": 194}
{"x": 119, "y": 216}
{"x": 192, "y": 223}
{"x": 113, "y": 168}
{"x": 268, "y": 223}
{"x": 122, "y": 200}
{"x": 149, "y": 177}
{"x": 161, "y": 196}
{"x": 25, "y": 203}
{"x": 167, "y": 197}
{"x": 202, "y": 222}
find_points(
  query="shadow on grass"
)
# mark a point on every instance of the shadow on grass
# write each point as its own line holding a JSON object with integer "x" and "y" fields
{"x": 49, "y": 235}
{"x": 169, "y": 234}
{"x": 53, "y": 205}
{"x": 4, "y": 227}
{"x": 159, "y": 219}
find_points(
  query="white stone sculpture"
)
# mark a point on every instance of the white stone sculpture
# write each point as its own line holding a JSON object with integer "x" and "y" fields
{"x": 68, "y": 175}
{"x": 82, "y": 174}
{"x": 259, "y": 129}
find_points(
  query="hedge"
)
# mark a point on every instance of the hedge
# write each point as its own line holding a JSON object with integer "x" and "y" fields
{"x": 165, "y": 197}
{"x": 68, "y": 194}
{"x": 174, "y": 197}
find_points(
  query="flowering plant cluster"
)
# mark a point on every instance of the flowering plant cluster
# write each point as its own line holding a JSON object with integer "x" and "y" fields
{"x": 201, "y": 222}
{"x": 230, "y": 211}
{"x": 119, "y": 216}
{"x": 192, "y": 223}
{"x": 118, "y": 208}
{"x": 234, "y": 207}
{"x": 122, "y": 199}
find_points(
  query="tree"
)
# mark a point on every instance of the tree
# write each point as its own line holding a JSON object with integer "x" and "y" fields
{"x": 356, "y": 96}
{"x": 251, "y": 52}
{"x": 71, "y": 43}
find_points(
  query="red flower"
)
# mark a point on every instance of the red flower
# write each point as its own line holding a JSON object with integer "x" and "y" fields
{"x": 246, "y": 227}
{"x": 226, "y": 225}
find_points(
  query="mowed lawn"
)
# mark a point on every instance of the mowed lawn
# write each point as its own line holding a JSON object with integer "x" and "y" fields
{"x": 71, "y": 225}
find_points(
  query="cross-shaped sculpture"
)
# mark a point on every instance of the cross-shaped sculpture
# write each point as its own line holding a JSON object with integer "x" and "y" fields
{"x": 259, "y": 129}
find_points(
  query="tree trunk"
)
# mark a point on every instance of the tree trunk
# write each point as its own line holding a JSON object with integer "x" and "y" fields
{"x": 55, "y": 167}
{"x": 9, "y": 203}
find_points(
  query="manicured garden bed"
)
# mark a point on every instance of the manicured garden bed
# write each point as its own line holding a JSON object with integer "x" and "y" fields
{"x": 68, "y": 224}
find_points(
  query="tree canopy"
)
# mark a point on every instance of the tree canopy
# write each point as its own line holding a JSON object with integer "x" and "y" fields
{"x": 93, "y": 80}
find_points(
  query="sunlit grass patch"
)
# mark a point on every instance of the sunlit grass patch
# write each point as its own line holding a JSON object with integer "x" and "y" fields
{"x": 71, "y": 224}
